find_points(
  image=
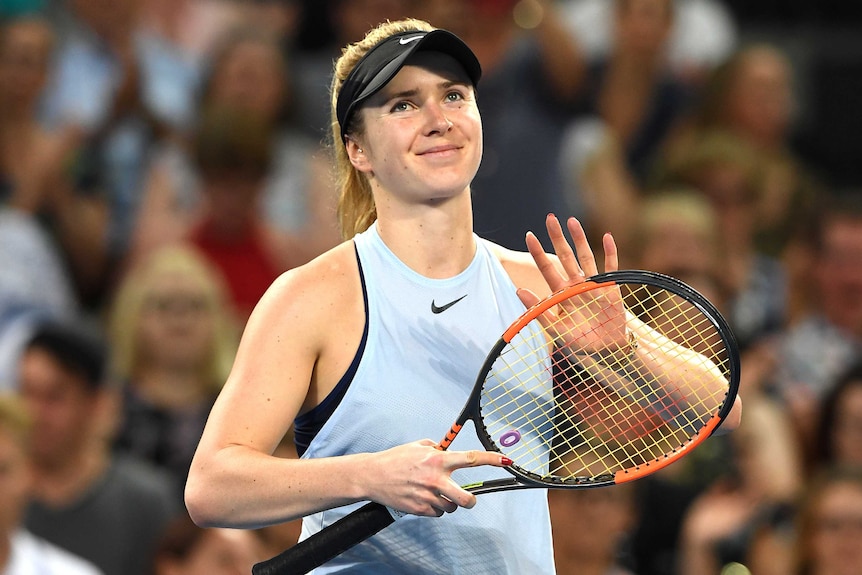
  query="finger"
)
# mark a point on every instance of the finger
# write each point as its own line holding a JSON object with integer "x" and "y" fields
{"x": 563, "y": 249}
{"x": 546, "y": 265}
{"x": 446, "y": 505}
{"x": 537, "y": 250}
{"x": 612, "y": 262}
{"x": 456, "y": 496}
{"x": 528, "y": 298}
{"x": 582, "y": 246}
{"x": 475, "y": 458}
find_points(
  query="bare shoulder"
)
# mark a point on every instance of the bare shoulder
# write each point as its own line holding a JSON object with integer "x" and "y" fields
{"x": 298, "y": 342}
{"x": 522, "y": 269}
{"x": 313, "y": 293}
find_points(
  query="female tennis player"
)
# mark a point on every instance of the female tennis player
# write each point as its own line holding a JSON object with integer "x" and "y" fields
{"x": 371, "y": 349}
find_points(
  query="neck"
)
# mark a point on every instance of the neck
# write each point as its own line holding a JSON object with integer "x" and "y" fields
{"x": 171, "y": 388}
{"x": 64, "y": 482}
{"x": 436, "y": 241}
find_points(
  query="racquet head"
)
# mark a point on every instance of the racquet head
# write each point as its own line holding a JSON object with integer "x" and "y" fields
{"x": 605, "y": 381}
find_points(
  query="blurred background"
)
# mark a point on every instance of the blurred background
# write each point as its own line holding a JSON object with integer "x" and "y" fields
{"x": 163, "y": 161}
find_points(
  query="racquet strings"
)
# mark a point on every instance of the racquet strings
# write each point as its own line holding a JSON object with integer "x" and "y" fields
{"x": 569, "y": 414}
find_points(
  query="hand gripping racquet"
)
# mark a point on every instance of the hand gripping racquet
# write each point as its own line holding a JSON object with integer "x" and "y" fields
{"x": 600, "y": 383}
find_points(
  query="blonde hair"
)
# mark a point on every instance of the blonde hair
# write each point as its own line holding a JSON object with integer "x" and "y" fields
{"x": 682, "y": 204}
{"x": 356, "y": 209}
{"x": 14, "y": 418}
{"x": 129, "y": 301}
{"x": 710, "y": 148}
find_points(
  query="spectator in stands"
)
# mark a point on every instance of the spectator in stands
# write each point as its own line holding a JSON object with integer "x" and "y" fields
{"x": 249, "y": 75}
{"x": 232, "y": 152}
{"x": 34, "y": 160}
{"x": 173, "y": 337}
{"x": 752, "y": 503}
{"x": 106, "y": 509}
{"x": 629, "y": 104}
{"x": 830, "y": 524}
{"x": 704, "y": 34}
{"x": 752, "y": 95}
{"x": 103, "y": 92}
{"x": 22, "y": 553}
{"x": 677, "y": 234}
{"x": 728, "y": 171}
{"x": 815, "y": 351}
{"x": 838, "y": 437}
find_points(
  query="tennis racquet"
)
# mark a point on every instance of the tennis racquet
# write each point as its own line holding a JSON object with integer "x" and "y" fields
{"x": 600, "y": 383}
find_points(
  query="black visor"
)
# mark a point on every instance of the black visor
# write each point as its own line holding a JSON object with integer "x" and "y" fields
{"x": 384, "y": 60}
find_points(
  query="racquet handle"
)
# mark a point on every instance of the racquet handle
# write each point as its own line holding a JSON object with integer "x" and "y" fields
{"x": 328, "y": 543}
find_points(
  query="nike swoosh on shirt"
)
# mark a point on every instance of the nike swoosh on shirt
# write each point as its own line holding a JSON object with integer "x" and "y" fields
{"x": 440, "y": 309}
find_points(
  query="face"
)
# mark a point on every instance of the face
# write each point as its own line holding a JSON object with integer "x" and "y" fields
{"x": 679, "y": 247}
{"x": 14, "y": 481}
{"x": 847, "y": 434}
{"x": 219, "y": 552}
{"x": 176, "y": 327}
{"x": 728, "y": 189}
{"x": 643, "y": 26}
{"x": 61, "y": 404}
{"x": 251, "y": 77}
{"x": 24, "y": 54}
{"x": 422, "y": 139}
{"x": 839, "y": 273}
{"x": 761, "y": 97}
{"x": 837, "y": 530}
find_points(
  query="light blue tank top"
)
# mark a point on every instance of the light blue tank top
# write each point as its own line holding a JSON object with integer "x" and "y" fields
{"x": 412, "y": 380}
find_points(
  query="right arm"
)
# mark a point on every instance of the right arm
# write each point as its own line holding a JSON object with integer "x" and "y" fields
{"x": 291, "y": 354}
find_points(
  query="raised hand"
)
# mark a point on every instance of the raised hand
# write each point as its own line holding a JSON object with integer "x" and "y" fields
{"x": 596, "y": 322}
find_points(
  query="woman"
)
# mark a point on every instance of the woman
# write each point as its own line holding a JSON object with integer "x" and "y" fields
{"x": 408, "y": 142}
{"x": 173, "y": 338}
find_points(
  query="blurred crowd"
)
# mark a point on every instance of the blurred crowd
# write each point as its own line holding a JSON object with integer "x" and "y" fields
{"x": 163, "y": 161}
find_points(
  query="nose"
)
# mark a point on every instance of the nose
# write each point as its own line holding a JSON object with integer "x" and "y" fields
{"x": 437, "y": 121}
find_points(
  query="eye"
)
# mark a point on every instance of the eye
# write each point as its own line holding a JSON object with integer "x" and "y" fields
{"x": 454, "y": 96}
{"x": 401, "y": 106}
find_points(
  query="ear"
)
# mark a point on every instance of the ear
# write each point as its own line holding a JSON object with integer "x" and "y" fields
{"x": 357, "y": 155}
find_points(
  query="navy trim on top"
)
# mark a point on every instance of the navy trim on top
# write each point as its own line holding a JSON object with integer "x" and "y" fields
{"x": 307, "y": 425}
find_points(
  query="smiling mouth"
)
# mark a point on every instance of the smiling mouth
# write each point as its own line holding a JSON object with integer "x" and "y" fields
{"x": 440, "y": 150}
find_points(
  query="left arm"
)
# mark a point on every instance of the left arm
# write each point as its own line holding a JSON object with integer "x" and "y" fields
{"x": 571, "y": 267}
